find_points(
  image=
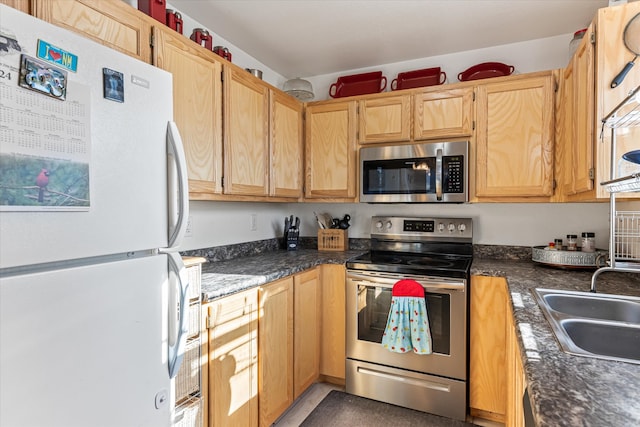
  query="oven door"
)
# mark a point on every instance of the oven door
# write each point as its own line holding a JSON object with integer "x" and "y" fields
{"x": 368, "y": 302}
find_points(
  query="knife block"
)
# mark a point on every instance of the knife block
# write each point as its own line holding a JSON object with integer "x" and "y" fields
{"x": 291, "y": 240}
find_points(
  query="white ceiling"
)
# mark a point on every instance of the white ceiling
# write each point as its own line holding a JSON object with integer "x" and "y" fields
{"x": 314, "y": 37}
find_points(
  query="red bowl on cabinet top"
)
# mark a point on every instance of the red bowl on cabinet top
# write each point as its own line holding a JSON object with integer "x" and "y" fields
{"x": 419, "y": 78}
{"x": 486, "y": 70}
{"x": 358, "y": 84}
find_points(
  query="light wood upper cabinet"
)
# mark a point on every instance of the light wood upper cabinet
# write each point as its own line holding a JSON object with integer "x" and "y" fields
{"x": 611, "y": 57}
{"x": 113, "y": 23}
{"x": 441, "y": 113}
{"x": 564, "y": 133}
{"x": 233, "y": 360}
{"x": 384, "y": 119}
{"x": 306, "y": 333}
{"x": 582, "y": 148}
{"x": 286, "y": 150}
{"x": 246, "y": 134}
{"x": 515, "y": 137}
{"x": 574, "y": 125}
{"x": 330, "y": 151}
{"x": 275, "y": 349}
{"x": 197, "y": 106}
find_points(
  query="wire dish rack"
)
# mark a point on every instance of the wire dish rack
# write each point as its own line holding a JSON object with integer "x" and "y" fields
{"x": 624, "y": 238}
{"x": 627, "y": 236}
{"x": 625, "y": 115}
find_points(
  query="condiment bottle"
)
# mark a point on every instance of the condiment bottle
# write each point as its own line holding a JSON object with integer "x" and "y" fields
{"x": 572, "y": 242}
{"x": 558, "y": 244}
{"x": 588, "y": 242}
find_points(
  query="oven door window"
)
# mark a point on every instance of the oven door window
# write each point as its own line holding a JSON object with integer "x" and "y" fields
{"x": 373, "y": 310}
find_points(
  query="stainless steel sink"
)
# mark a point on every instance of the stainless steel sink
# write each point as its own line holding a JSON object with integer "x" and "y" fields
{"x": 594, "y": 325}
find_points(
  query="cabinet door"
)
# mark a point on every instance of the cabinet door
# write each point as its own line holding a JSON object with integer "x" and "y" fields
{"x": 233, "y": 360}
{"x": 487, "y": 347}
{"x": 330, "y": 151}
{"x": 246, "y": 134}
{"x": 21, "y": 5}
{"x": 386, "y": 119}
{"x": 582, "y": 118}
{"x": 612, "y": 55}
{"x": 516, "y": 382}
{"x": 333, "y": 355}
{"x": 306, "y": 332}
{"x": 564, "y": 132}
{"x": 515, "y": 138}
{"x": 443, "y": 113}
{"x": 197, "y": 106}
{"x": 112, "y": 23}
{"x": 275, "y": 349}
{"x": 285, "y": 146}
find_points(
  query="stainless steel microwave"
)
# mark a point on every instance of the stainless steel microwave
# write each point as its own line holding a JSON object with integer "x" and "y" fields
{"x": 432, "y": 172}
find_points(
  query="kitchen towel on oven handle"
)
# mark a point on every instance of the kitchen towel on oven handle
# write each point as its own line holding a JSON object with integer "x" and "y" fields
{"x": 407, "y": 327}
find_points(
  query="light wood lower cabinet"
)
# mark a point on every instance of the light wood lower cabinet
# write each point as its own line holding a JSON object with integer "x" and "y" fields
{"x": 487, "y": 350}
{"x": 288, "y": 341}
{"x": 268, "y": 345}
{"x": 306, "y": 330}
{"x": 275, "y": 349}
{"x": 333, "y": 352}
{"x": 516, "y": 382}
{"x": 233, "y": 360}
{"x": 496, "y": 377}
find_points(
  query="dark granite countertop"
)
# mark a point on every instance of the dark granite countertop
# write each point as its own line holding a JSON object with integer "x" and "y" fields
{"x": 567, "y": 390}
{"x": 227, "y": 277}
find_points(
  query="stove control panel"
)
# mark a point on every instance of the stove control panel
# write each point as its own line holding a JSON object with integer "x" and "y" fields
{"x": 440, "y": 229}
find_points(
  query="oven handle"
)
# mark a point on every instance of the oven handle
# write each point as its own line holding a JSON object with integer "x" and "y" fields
{"x": 388, "y": 282}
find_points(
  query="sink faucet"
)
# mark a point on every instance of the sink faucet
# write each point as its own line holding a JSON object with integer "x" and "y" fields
{"x": 603, "y": 269}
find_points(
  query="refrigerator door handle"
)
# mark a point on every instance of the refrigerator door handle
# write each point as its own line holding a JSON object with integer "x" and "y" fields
{"x": 178, "y": 187}
{"x": 178, "y": 329}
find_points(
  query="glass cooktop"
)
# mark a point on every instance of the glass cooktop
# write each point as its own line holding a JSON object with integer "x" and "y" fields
{"x": 441, "y": 265}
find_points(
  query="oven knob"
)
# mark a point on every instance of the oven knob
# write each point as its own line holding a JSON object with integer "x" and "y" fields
{"x": 379, "y": 225}
{"x": 389, "y": 225}
{"x": 452, "y": 227}
{"x": 461, "y": 227}
{"x": 441, "y": 227}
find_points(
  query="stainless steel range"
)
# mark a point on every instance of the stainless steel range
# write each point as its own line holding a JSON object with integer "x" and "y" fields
{"x": 437, "y": 253}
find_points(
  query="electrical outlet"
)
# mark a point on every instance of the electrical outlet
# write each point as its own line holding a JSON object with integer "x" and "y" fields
{"x": 189, "y": 230}
{"x": 253, "y": 223}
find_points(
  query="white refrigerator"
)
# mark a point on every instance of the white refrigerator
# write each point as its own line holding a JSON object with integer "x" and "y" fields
{"x": 93, "y": 204}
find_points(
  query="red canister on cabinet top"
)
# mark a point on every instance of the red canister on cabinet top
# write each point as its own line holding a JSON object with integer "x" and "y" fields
{"x": 174, "y": 20}
{"x": 223, "y": 51}
{"x": 202, "y": 37}
{"x": 154, "y": 8}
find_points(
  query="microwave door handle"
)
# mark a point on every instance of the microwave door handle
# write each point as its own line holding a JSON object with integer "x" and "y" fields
{"x": 439, "y": 174}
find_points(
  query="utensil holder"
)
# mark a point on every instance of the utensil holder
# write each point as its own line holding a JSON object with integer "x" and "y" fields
{"x": 333, "y": 240}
